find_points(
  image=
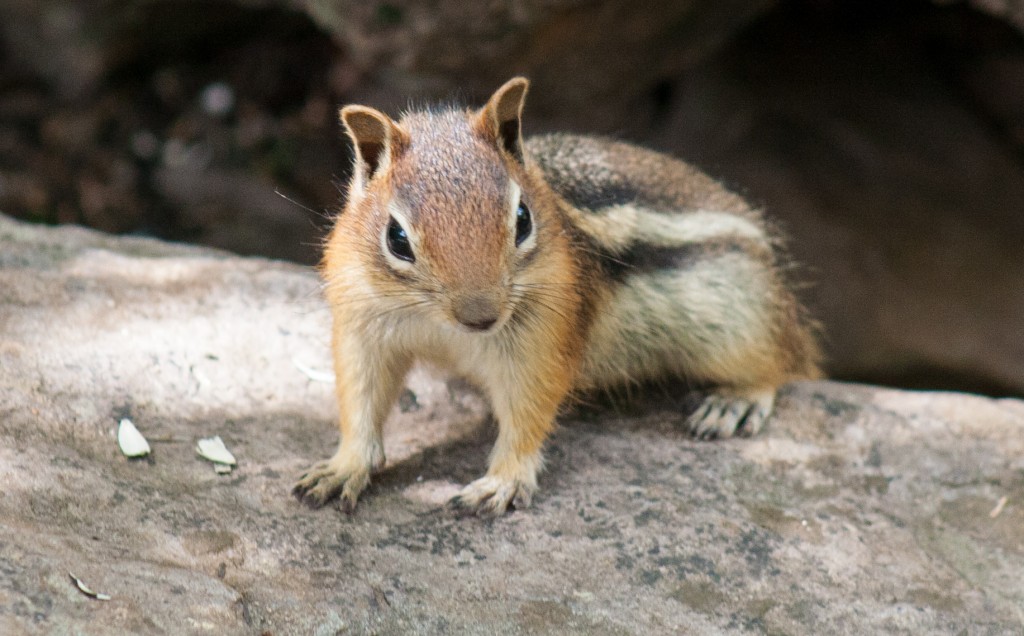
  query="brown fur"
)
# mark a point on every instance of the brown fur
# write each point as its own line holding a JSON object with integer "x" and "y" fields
{"x": 637, "y": 266}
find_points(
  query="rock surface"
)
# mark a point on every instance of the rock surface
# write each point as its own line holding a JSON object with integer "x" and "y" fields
{"x": 860, "y": 510}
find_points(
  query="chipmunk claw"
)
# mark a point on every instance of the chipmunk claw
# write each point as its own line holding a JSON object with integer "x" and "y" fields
{"x": 490, "y": 497}
{"x": 731, "y": 413}
{"x": 326, "y": 480}
{"x": 460, "y": 507}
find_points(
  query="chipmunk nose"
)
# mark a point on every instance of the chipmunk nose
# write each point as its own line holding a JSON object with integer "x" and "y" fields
{"x": 478, "y": 311}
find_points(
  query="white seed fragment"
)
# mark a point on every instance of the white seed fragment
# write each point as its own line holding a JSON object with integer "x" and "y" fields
{"x": 213, "y": 449}
{"x": 314, "y": 374}
{"x": 131, "y": 441}
{"x": 998, "y": 510}
{"x": 84, "y": 589}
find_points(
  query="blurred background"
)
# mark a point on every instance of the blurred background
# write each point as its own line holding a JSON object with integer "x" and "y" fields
{"x": 886, "y": 136}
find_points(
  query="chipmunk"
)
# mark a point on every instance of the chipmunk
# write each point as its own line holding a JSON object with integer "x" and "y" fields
{"x": 538, "y": 269}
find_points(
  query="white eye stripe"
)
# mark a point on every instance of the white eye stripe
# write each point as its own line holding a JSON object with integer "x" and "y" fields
{"x": 515, "y": 193}
{"x": 398, "y": 213}
{"x": 515, "y": 198}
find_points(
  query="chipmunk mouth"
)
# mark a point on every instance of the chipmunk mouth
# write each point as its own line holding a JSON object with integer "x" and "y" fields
{"x": 481, "y": 325}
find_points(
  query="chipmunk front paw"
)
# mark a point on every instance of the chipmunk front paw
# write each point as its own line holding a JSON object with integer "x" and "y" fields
{"x": 326, "y": 480}
{"x": 726, "y": 413}
{"x": 490, "y": 497}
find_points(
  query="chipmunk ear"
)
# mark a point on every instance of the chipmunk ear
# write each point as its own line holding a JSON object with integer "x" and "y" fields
{"x": 375, "y": 136}
{"x": 502, "y": 116}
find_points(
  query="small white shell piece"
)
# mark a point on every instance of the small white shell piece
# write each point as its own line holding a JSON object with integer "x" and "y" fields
{"x": 213, "y": 449}
{"x": 131, "y": 441}
{"x": 313, "y": 374}
{"x": 84, "y": 589}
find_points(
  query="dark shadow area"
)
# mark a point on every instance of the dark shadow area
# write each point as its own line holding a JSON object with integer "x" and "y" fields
{"x": 886, "y": 139}
{"x": 199, "y": 114}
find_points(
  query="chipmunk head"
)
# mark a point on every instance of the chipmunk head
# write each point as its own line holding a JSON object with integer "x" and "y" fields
{"x": 440, "y": 198}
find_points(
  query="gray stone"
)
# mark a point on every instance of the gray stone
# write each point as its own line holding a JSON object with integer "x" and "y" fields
{"x": 1011, "y": 11}
{"x": 860, "y": 510}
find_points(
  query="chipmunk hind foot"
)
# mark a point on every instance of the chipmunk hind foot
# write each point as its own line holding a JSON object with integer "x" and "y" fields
{"x": 731, "y": 412}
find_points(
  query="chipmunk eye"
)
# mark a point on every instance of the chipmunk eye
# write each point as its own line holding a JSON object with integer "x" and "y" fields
{"x": 524, "y": 224}
{"x": 398, "y": 242}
